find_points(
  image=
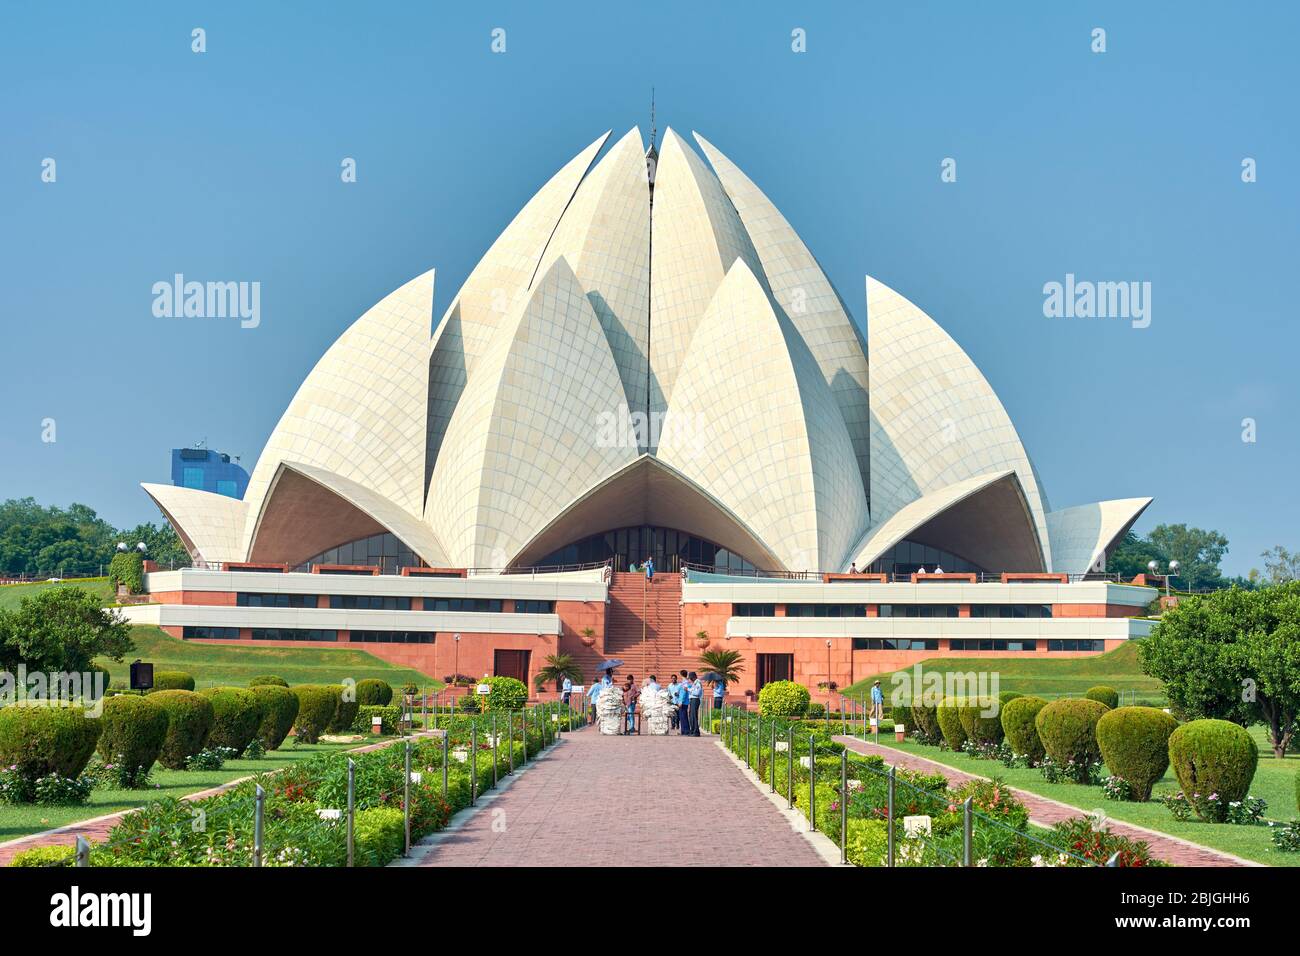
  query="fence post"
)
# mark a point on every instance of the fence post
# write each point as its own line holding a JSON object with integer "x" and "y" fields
{"x": 494, "y": 750}
{"x": 789, "y": 769}
{"x": 748, "y": 720}
{"x": 473, "y": 761}
{"x": 259, "y": 806}
{"x": 889, "y": 809}
{"x": 844, "y": 805}
{"x": 446, "y": 736}
{"x": 1114, "y": 859}
{"x": 352, "y": 803}
{"x": 406, "y": 799}
{"x": 967, "y": 828}
{"x": 510, "y": 738}
{"x": 771, "y": 761}
{"x": 812, "y": 782}
{"x": 83, "y": 851}
{"x": 844, "y": 718}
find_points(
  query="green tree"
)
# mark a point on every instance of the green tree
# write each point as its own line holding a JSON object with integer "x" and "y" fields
{"x": 1281, "y": 565}
{"x": 1232, "y": 655}
{"x": 1131, "y": 556}
{"x": 730, "y": 664}
{"x": 61, "y": 629}
{"x": 1197, "y": 551}
{"x": 558, "y": 667}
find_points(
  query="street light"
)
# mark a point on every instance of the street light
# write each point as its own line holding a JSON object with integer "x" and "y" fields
{"x": 1154, "y": 567}
{"x": 455, "y": 667}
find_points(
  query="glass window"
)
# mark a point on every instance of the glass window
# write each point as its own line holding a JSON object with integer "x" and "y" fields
{"x": 392, "y": 637}
{"x": 193, "y": 478}
{"x": 534, "y": 607}
{"x": 753, "y": 610}
{"x": 293, "y": 634}
{"x": 195, "y": 633}
{"x": 894, "y": 644}
{"x": 227, "y": 487}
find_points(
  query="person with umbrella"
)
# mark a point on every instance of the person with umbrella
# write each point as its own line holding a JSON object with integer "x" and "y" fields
{"x": 719, "y": 687}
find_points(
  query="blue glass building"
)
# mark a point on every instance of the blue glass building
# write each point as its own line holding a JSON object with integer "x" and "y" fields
{"x": 206, "y": 470}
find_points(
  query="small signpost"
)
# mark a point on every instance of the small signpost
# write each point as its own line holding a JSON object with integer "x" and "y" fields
{"x": 141, "y": 675}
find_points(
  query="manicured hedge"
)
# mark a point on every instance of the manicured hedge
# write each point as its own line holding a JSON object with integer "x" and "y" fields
{"x": 1007, "y": 696}
{"x": 1134, "y": 743}
{"x": 237, "y": 717}
{"x": 949, "y": 717}
{"x": 1213, "y": 757}
{"x": 316, "y": 708}
{"x": 268, "y": 680}
{"x": 372, "y": 692}
{"x": 901, "y": 714}
{"x": 189, "y": 722}
{"x": 1068, "y": 730}
{"x": 345, "y": 709}
{"x": 380, "y": 835}
{"x": 925, "y": 718}
{"x": 133, "y": 732}
{"x": 389, "y": 716}
{"x": 279, "y": 709}
{"x": 1106, "y": 695}
{"x": 508, "y": 695}
{"x": 867, "y": 842}
{"x": 783, "y": 698}
{"x": 983, "y": 729}
{"x": 1018, "y": 718}
{"x": 172, "y": 680}
{"x": 41, "y": 740}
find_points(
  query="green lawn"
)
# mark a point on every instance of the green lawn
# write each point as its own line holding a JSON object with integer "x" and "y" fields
{"x": 17, "y": 821}
{"x": 224, "y": 664}
{"x": 1274, "y": 781}
{"x": 1050, "y": 678}
{"x": 12, "y": 594}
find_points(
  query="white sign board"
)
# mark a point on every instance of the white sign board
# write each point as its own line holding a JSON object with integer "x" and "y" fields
{"x": 579, "y": 689}
{"x": 483, "y": 690}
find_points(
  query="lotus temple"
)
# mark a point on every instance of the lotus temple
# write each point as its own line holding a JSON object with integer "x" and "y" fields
{"x": 648, "y": 363}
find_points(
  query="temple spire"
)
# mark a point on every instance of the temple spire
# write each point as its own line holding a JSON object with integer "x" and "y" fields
{"x": 652, "y": 154}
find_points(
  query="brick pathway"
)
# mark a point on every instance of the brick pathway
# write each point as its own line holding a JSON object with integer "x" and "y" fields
{"x": 1047, "y": 812}
{"x": 619, "y": 801}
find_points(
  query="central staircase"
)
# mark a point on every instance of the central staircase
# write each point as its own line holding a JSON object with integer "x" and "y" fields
{"x": 643, "y": 626}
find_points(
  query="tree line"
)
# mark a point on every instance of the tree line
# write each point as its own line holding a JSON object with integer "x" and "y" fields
{"x": 74, "y": 541}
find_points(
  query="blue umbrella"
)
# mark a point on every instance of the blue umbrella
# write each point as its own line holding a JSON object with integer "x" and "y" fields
{"x": 713, "y": 676}
{"x": 609, "y": 665}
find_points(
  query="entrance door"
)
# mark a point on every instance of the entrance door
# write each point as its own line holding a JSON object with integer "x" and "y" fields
{"x": 772, "y": 667}
{"x": 511, "y": 664}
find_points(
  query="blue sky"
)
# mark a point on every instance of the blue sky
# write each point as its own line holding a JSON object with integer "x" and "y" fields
{"x": 1117, "y": 166}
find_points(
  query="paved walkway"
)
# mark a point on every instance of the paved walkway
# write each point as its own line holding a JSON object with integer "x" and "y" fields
{"x": 1048, "y": 812}
{"x": 620, "y": 801}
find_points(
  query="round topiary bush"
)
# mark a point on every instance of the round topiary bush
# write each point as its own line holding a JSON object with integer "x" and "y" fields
{"x": 1213, "y": 758}
{"x": 1106, "y": 695}
{"x": 949, "y": 716}
{"x": 237, "y": 717}
{"x": 1018, "y": 718}
{"x": 268, "y": 680}
{"x": 172, "y": 680}
{"x": 133, "y": 731}
{"x": 345, "y": 709}
{"x": 1068, "y": 730}
{"x": 189, "y": 721}
{"x": 316, "y": 707}
{"x": 1007, "y": 696}
{"x": 1134, "y": 743}
{"x": 40, "y": 740}
{"x": 508, "y": 695}
{"x": 278, "y": 707}
{"x": 925, "y": 718}
{"x": 783, "y": 698}
{"x": 375, "y": 693}
{"x": 977, "y": 724}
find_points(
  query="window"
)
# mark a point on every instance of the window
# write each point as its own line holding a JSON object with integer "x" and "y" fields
{"x": 476, "y": 605}
{"x": 894, "y": 644}
{"x": 369, "y": 602}
{"x": 193, "y": 478}
{"x": 227, "y": 487}
{"x": 197, "y": 633}
{"x": 991, "y": 644}
{"x": 392, "y": 637}
{"x": 918, "y": 610}
{"x": 243, "y": 599}
{"x": 753, "y": 610}
{"x": 534, "y": 607}
{"x": 825, "y": 610}
{"x": 1011, "y": 610}
{"x": 293, "y": 634}
{"x": 1076, "y": 645}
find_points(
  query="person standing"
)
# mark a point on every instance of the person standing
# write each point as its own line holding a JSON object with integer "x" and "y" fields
{"x": 877, "y": 702}
{"x": 566, "y": 690}
{"x": 672, "y": 699}
{"x": 650, "y": 569}
{"x": 719, "y": 692}
{"x": 630, "y": 695}
{"x": 695, "y": 694}
{"x": 683, "y": 705}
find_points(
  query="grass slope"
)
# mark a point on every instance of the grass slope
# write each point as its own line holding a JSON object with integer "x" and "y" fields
{"x": 12, "y": 594}
{"x": 1050, "y": 678}
{"x": 223, "y": 664}
{"x": 1274, "y": 781}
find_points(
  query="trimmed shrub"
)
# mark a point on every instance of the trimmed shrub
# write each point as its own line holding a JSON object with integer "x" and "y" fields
{"x": 279, "y": 709}
{"x": 44, "y": 740}
{"x": 1134, "y": 743}
{"x": 1297, "y": 790}
{"x": 949, "y": 717}
{"x": 1018, "y": 718}
{"x": 268, "y": 680}
{"x": 925, "y": 718}
{"x": 901, "y": 714}
{"x": 1007, "y": 696}
{"x": 390, "y": 716}
{"x": 172, "y": 680}
{"x": 345, "y": 711}
{"x": 867, "y": 842}
{"x": 1068, "y": 730}
{"x": 190, "y": 717}
{"x": 132, "y": 733}
{"x": 982, "y": 729}
{"x": 508, "y": 695}
{"x": 1106, "y": 695}
{"x": 374, "y": 693}
{"x": 43, "y": 856}
{"x": 1213, "y": 758}
{"x": 316, "y": 707}
{"x": 237, "y": 717}
{"x": 127, "y": 568}
{"x": 783, "y": 698}
{"x": 380, "y": 835}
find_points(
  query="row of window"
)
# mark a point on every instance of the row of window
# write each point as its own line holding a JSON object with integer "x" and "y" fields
{"x": 374, "y": 602}
{"x": 895, "y": 610}
{"x": 293, "y": 634}
{"x": 972, "y": 644}
{"x": 203, "y": 633}
{"x": 894, "y": 644}
{"x": 196, "y": 633}
{"x": 991, "y": 644}
{"x": 392, "y": 637}
{"x": 276, "y": 600}
{"x": 825, "y": 610}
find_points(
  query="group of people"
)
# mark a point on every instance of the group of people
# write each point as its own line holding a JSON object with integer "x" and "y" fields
{"x": 685, "y": 694}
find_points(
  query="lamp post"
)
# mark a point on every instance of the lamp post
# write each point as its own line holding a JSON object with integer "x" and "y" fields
{"x": 455, "y": 667}
{"x": 1154, "y": 567}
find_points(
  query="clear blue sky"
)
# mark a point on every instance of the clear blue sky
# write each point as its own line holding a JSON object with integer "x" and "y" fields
{"x": 1119, "y": 166}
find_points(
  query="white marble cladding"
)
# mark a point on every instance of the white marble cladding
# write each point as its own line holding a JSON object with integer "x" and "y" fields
{"x": 774, "y": 591}
{"x": 969, "y": 628}
{"x": 560, "y": 586}
{"x": 220, "y": 615}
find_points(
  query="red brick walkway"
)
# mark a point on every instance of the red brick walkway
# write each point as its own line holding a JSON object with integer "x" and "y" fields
{"x": 627, "y": 801}
{"x": 1047, "y": 812}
